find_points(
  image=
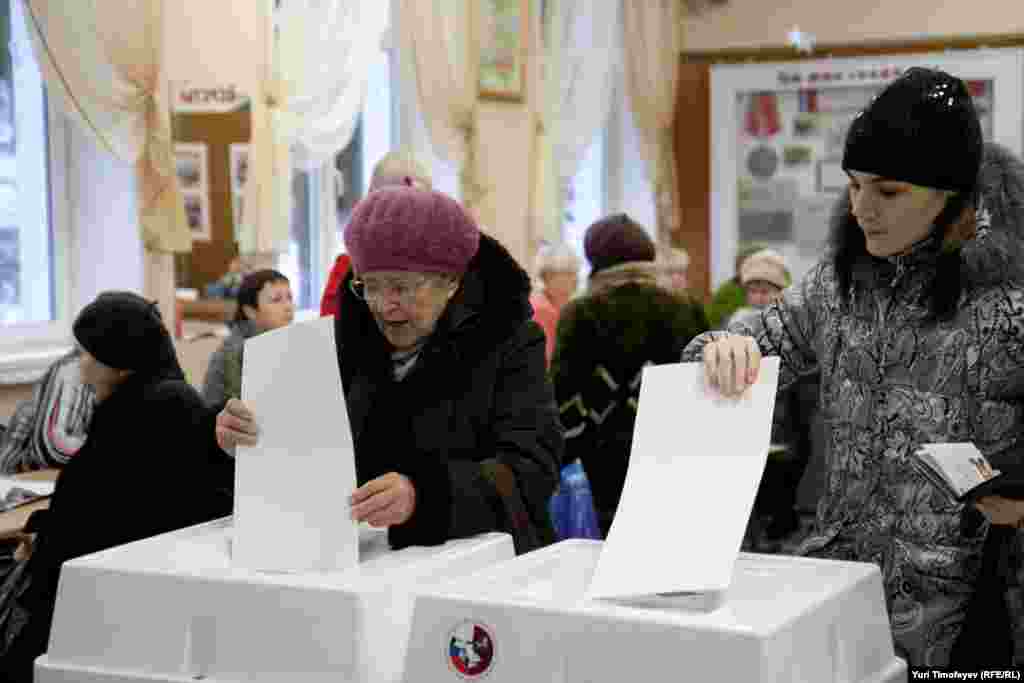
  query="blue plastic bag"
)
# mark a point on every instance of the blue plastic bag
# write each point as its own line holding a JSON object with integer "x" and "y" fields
{"x": 572, "y": 506}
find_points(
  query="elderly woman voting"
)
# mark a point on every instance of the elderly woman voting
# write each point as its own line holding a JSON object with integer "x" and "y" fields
{"x": 452, "y": 415}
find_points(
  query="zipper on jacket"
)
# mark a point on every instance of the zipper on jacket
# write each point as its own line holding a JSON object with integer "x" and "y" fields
{"x": 901, "y": 269}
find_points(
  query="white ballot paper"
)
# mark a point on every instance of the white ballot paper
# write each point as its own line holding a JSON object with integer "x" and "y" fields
{"x": 694, "y": 469}
{"x": 292, "y": 488}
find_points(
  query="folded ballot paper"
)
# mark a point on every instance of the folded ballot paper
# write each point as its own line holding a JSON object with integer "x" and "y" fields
{"x": 292, "y": 488}
{"x": 964, "y": 474}
{"x": 694, "y": 469}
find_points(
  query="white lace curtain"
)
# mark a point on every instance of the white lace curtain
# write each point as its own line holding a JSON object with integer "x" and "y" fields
{"x": 103, "y": 63}
{"x": 590, "y": 47}
{"x": 309, "y": 103}
{"x": 439, "y": 38}
{"x": 652, "y": 36}
{"x": 581, "y": 58}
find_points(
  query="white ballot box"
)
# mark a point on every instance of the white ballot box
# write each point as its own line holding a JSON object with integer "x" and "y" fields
{"x": 173, "y": 608}
{"x": 782, "y": 620}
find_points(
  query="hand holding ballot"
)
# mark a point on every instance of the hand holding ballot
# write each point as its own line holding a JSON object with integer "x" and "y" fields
{"x": 385, "y": 501}
{"x": 236, "y": 425}
{"x": 732, "y": 363}
{"x": 382, "y": 502}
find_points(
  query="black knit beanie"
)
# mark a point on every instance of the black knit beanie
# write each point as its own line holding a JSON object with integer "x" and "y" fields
{"x": 921, "y": 129}
{"x": 123, "y": 331}
{"x": 616, "y": 239}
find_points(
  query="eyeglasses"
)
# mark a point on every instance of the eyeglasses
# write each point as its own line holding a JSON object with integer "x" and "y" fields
{"x": 402, "y": 291}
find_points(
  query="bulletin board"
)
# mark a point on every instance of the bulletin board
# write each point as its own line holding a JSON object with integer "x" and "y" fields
{"x": 211, "y": 153}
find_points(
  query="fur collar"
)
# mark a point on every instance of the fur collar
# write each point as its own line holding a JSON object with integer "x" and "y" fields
{"x": 637, "y": 272}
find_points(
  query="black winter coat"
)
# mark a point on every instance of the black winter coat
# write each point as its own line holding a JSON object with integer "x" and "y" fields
{"x": 474, "y": 424}
{"x": 604, "y": 341}
{"x": 148, "y": 466}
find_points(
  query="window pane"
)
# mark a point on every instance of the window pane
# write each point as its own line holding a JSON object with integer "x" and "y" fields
{"x": 27, "y": 292}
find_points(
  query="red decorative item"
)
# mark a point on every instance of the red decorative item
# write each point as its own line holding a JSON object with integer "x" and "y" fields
{"x": 977, "y": 88}
{"x": 763, "y": 119}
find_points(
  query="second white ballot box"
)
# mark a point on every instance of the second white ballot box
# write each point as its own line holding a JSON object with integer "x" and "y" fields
{"x": 782, "y": 620}
{"x": 173, "y": 608}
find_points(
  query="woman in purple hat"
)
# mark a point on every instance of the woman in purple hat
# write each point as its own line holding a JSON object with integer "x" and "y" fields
{"x": 452, "y": 414}
{"x": 914, "y": 320}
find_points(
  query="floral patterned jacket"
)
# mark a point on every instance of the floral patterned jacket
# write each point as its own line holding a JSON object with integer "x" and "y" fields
{"x": 893, "y": 378}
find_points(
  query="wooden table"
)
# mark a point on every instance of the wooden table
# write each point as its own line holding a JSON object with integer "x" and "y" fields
{"x": 13, "y": 521}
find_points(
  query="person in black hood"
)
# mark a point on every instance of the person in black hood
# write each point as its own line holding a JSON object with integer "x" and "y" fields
{"x": 452, "y": 415}
{"x": 123, "y": 484}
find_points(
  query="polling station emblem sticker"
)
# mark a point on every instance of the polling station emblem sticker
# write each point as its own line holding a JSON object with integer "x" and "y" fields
{"x": 471, "y": 650}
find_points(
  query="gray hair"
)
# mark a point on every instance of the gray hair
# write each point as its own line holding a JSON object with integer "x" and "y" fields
{"x": 673, "y": 257}
{"x": 398, "y": 163}
{"x": 558, "y": 258}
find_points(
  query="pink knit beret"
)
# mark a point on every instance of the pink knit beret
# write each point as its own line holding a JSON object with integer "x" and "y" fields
{"x": 404, "y": 228}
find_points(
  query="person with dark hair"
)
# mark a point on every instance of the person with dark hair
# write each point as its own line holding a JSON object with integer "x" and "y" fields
{"x": 264, "y": 303}
{"x": 625, "y": 321}
{"x": 914, "y": 320}
{"x": 451, "y": 411}
{"x": 112, "y": 492}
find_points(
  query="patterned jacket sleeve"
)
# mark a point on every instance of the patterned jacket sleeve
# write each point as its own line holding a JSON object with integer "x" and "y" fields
{"x": 568, "y": 372}
{"x": 787, "y": 329}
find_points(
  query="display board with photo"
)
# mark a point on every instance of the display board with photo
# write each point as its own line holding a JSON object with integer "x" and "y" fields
{"x": 191, "y": 167}
{"x": 10, "y": 267}
{"x": 239, "y": 167}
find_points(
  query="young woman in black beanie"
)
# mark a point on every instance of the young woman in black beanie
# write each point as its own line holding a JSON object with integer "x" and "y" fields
{"x": 914, "y": 320}
{"x": 148, "y": 466}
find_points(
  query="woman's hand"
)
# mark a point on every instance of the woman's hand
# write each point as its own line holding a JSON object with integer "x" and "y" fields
{"x": 236, "y": 425}
{"x": 385, "y": 501}
{"x": 1002, "y": 511}
{"x": 732, "y": 363}
{"x": 26, "y": 544}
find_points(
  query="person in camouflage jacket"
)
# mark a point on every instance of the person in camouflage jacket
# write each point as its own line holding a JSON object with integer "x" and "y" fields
{"x": 922, "y": 346}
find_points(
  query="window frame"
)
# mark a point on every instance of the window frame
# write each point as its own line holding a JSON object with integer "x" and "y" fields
{"x": 27, "y": 350}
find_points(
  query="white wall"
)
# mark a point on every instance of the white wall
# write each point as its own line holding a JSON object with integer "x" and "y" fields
{"x": 754, "y": 23}
{"x": 227, "y": 45}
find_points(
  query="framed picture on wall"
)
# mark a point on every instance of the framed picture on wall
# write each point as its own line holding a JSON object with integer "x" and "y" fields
{"x": 237, "y": 213}
{"x": 190, "y": 166}
{"x": 239, "y": 155}
{"x": 504, "y": 43}
{"x": 7, "y": 132}
{"x": 197, "y": 215}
